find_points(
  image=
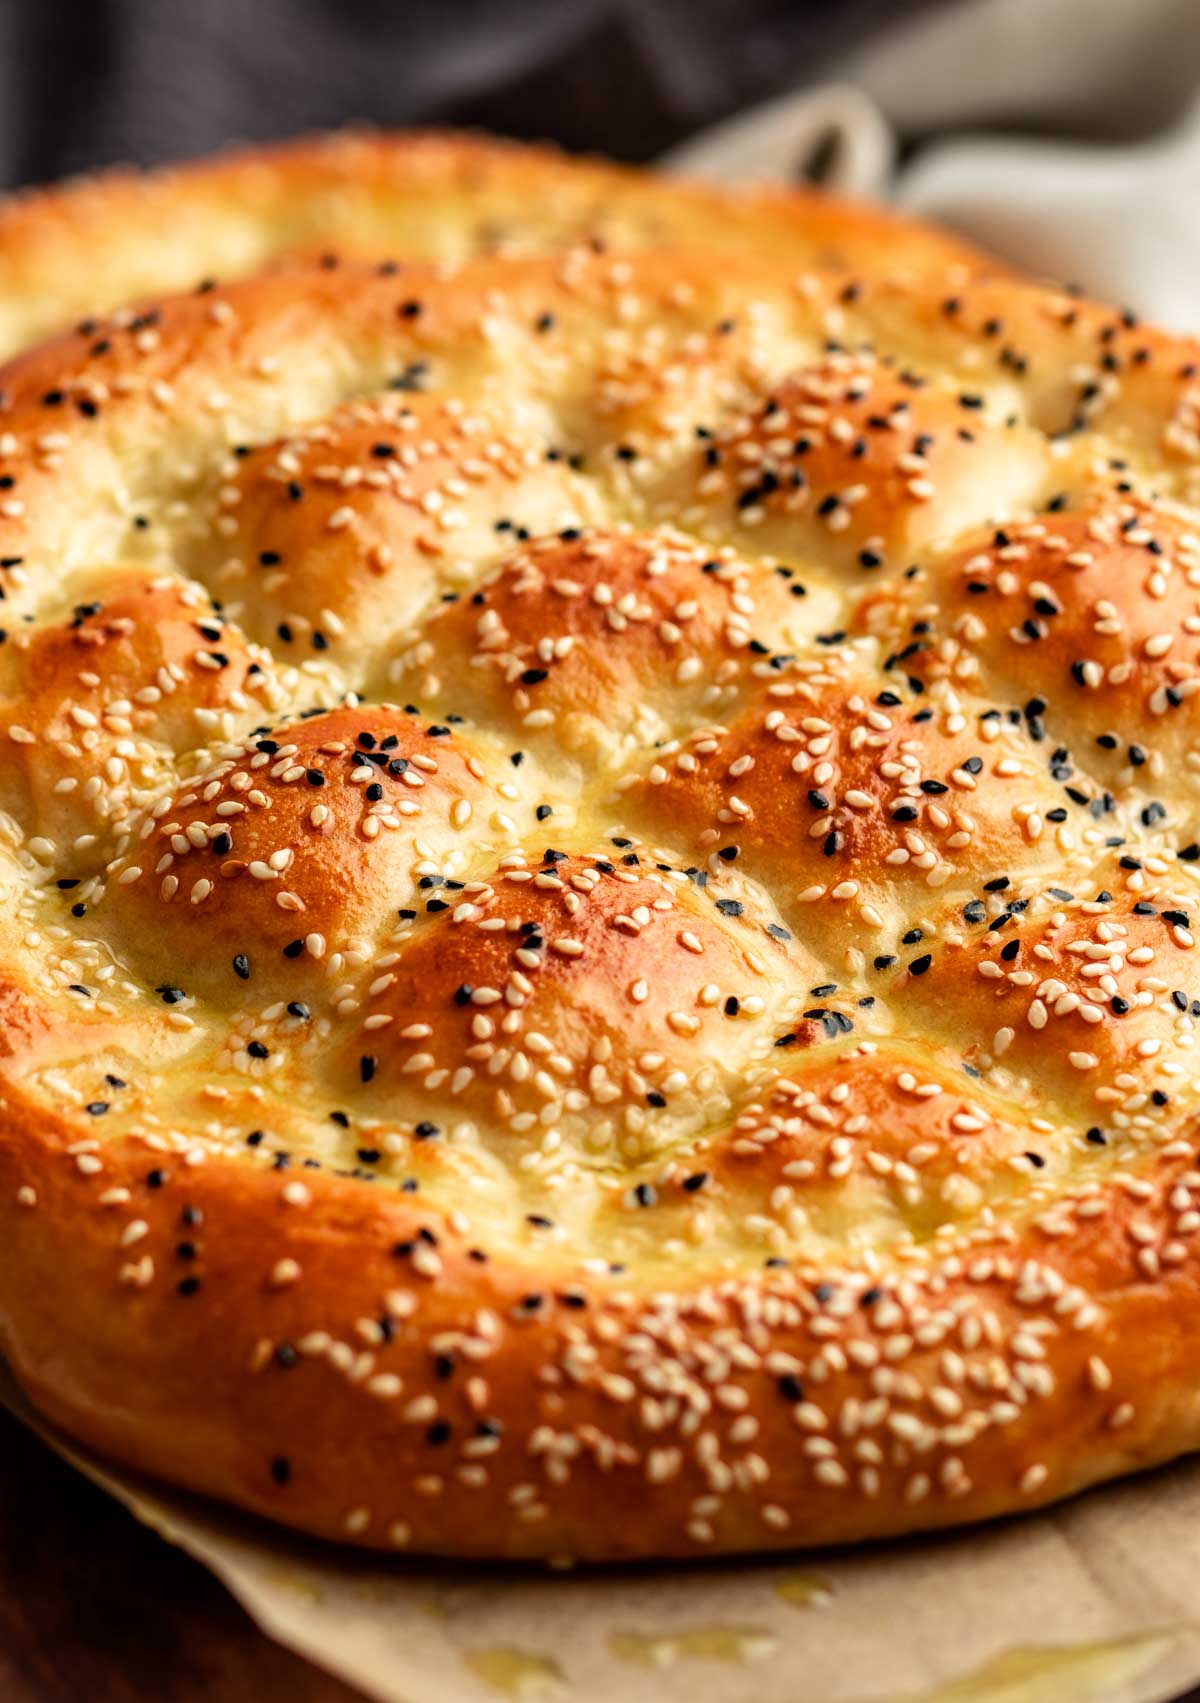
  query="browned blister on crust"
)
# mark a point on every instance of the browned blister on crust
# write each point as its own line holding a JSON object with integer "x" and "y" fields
{"x": 596, "y": 955}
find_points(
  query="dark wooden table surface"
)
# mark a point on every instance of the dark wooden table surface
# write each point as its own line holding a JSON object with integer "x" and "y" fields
{"x": 95, "y": 1609}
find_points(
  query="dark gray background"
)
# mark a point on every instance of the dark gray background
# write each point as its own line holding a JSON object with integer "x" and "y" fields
{"x": 88, "y": 82}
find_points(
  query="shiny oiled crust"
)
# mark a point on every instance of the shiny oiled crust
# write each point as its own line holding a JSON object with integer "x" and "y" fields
{"x": 96, "y": 243}
{"x": 598, "y": 880}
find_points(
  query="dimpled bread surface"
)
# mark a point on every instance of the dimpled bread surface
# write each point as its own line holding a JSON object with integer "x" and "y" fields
{"x": 598, "y": 863}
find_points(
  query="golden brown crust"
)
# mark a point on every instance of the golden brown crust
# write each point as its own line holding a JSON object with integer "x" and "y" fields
{"x": 1095, "y": 601}
{"x": 129, "y": 680}
{"x": 555, "y": 649}
{"x": 95, "y": 243}
{"x": 646, "y": 1040}
{"x": 858, "y": 801}
{"x": 322, "y": 817}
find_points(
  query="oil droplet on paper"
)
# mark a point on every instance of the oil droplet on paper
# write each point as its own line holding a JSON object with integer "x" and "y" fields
{"x": 707, "y": 1644}
{"x": 804, "y": 1590}
{"x": 517, "y": 1673}
{"x": 300, "y": 1584}
{"x": 1083, "y": 1672}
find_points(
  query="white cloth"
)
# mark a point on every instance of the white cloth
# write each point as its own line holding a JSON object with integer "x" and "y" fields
{"x": 1119, "y": 215}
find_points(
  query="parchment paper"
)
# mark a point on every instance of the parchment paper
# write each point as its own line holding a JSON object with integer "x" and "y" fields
{"x": 1097, "y": 1602}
